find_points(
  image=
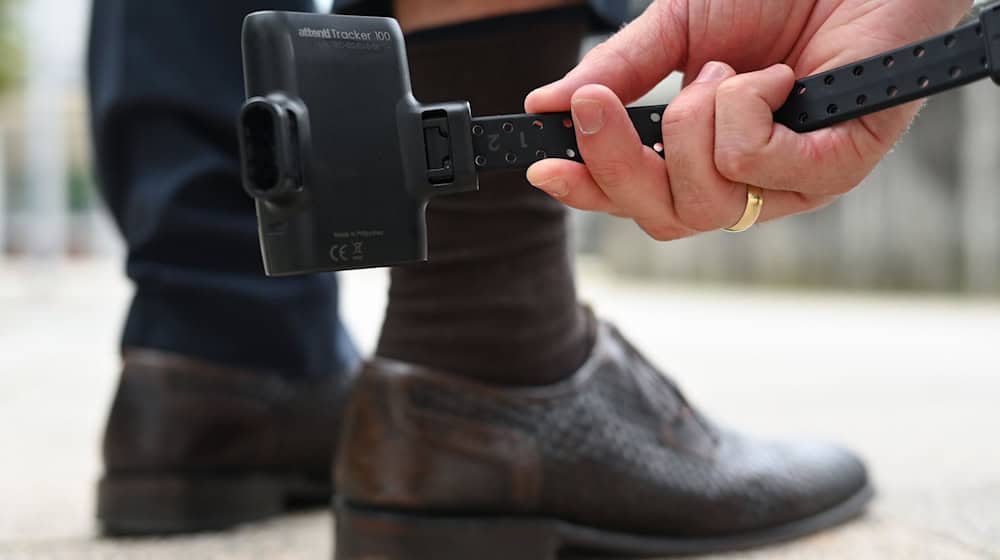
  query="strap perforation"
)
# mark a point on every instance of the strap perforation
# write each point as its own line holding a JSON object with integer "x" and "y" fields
{"x": 887, "y": 80}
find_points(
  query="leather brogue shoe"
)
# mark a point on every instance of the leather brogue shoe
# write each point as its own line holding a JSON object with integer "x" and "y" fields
{"x": 613, "y": 462}
{"x": 192, "y": 446}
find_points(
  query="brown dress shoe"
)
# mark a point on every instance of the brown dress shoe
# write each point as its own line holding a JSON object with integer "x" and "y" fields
{"x": 192, "y": 446}
{"x": 612, "y": 462}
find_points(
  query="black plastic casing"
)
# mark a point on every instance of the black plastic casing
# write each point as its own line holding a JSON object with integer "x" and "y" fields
{"x": 333, "y": 143}
{"x": 989, "y": 18}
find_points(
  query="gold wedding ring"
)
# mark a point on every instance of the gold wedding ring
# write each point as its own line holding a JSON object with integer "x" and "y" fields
{"x": 755, "y": 203}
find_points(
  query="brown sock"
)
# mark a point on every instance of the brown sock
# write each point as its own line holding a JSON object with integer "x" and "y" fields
{"x": 497, "y": 302}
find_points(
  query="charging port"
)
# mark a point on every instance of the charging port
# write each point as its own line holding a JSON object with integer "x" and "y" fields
{"x": 269, "y": 149}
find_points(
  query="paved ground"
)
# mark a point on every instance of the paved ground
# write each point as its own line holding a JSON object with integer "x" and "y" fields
{"x": 913, "y": 383}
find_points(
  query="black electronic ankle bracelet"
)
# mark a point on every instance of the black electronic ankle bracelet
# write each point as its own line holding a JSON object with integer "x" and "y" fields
{"x": 342, "y": 160}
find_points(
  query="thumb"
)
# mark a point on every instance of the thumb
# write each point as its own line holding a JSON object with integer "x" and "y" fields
{"x": 630, "y": 63}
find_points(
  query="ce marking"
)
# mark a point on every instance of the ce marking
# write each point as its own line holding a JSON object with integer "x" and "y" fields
{"x": 345, "y": 252}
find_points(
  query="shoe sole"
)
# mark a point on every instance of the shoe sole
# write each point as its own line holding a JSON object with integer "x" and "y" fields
{"x": 146, "y": 505}
{"x": 363, "y": 534}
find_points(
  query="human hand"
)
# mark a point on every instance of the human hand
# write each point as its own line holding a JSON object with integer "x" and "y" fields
{"x": 719, "y": 133}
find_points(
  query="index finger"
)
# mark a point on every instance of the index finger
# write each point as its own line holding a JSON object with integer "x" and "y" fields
{"x": 630, "y": 63}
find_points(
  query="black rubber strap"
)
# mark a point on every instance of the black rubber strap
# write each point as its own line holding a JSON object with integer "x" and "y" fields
{"x": 964, "y": 55}
{"x": 887, "y": 80}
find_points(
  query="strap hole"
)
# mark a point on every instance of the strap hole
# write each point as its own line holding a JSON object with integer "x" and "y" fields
{"x": 655, "y": 117}
{"x": 950, "y": 41}
{"x": 801, "y": 89}
{"x": 567, "y": 123}
{"x": 920, "y": 52}
{"x": 923, "y": 82}
{"x": 829, "y": 80}
{"x": 477, "y": 130}
{"x": 859, "y": 71}
{"x": 985, "y": 62}
{"x": 507, "y": 127}
{"x": 889, "y": 61}
{"x": 570, "y": 153}
{"x": 510, "y": 157}
{"x": 893, "y": 91}
{"x": 480, "y": 160}
{"x": 862, "y": 99}
{"x": 540, "y": 154}
{"x": 803, "y": 118}
{"x": 538, "y": 124}
{"x": 979, "y": 30}
{"x": 832, "y": 109}
{"x": 955, "y": 72}
{"x": 658, "y": 147}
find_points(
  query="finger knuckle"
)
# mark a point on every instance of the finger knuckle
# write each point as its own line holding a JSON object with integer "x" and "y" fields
{"x": 662, "y": 231}
{"x": 735, "y": 160}
{"x": 817, "y": 202}
{"x": 610, "y": 172}
{"x": 840, "y": 188}
{"x": 733, "y": 87}
{"x": 807, "y": 202}
{"x": 698, "y": 213}
{"x": 609, "y": 55}
{"x": 678, "y": 115}
{"x": 597, "y": 53}
{"x": 828, "y": 187}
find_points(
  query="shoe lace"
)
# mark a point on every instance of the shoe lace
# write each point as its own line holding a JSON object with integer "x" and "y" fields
{"x": 652, "y": 377}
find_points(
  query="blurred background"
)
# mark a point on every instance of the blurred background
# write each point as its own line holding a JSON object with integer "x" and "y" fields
{"x": 874, "y": 321}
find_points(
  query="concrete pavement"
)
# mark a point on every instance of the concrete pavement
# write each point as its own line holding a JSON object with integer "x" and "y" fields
{"x": 911, "y": 382}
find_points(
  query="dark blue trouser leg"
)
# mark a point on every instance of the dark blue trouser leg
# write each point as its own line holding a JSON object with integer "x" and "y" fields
{"x": 166, "y": 85}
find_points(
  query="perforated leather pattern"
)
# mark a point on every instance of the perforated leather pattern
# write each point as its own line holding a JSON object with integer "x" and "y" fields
{"x": 623, "y": 450}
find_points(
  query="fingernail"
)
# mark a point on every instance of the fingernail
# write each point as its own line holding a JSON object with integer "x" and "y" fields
{"x": 589, "y": 115}
{"x": 711, "y": 72}
{"x": 553, "y": 186}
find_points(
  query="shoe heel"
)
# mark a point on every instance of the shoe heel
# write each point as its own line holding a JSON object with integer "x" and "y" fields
{"x": 363, "y": 534}
{"x": 156, "y": 505}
